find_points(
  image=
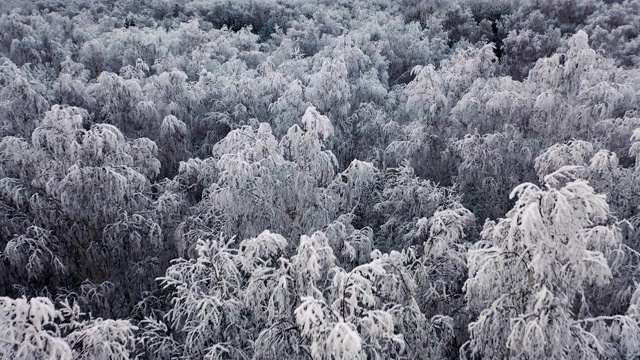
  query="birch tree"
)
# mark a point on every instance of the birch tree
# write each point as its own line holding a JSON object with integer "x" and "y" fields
{"x": 527, "y": 277}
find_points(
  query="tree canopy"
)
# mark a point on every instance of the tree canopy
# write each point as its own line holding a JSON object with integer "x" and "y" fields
{"x": 414, "y": 179}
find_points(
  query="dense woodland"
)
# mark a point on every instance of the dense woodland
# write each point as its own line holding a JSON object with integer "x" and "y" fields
{"x": 411, "y": 179}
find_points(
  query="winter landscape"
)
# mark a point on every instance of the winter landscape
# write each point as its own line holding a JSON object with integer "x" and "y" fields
{"x": 331, "y": 179}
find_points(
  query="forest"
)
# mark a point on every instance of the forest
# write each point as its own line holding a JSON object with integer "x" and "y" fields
{"x": 324, "y": 180}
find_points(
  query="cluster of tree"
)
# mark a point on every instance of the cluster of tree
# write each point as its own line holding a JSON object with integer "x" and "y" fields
{"x": 338, "y": 180}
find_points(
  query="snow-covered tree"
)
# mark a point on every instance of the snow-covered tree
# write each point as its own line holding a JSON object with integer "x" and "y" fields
{"x": 329, "y": 92}
{"x": 23, "y": 100}
{"x": 406, "y": 198}
{"x": 426, "y": 96}
{"x": 30, "y": 330}
{"x": 207, "y": 302}
{"x": 35, "y": 259}
{"x": 71, "y": 86}
{"x": 116, "y": 100}
{"x": 287, "y": 108}
{"x": 97, "y": 338}
{"x": 253, "y": 175}
{"x": 353, "y": 190}
{"x": 35, "y": 329}
{"x": 305, "y": 146}
{"x": 528, "y": 276}
{"x": 489, "y": 166}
